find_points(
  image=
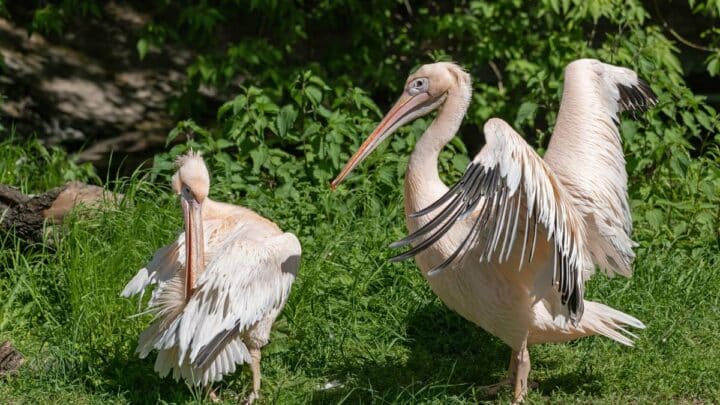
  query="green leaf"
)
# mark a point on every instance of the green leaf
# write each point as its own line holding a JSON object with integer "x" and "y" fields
{"x": 314, "y": 94}
{"x": 258, "y": 158}
{"x": 704, "y": 120}
{"x": 285, "y": 119}
{"x": 525, "y": 112}
{"x": 142, "y": 48}
{"x": 713, "y": 66}
{"x": 460, "y": 162}
{"x": 223, "y": 144}
{"x": 238, "y": 104}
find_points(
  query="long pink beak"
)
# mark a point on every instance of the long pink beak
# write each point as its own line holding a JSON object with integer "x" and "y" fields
{"x": 387, "y": 126}
{"x": 194, "y": 244}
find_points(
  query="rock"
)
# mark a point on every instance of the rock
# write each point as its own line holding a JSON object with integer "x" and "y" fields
{"x": 87, "y": 89}
{"x": 10, "y": 359}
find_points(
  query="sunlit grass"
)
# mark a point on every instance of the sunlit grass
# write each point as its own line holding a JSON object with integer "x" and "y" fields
{"x": 31, "y": 167}
{"x": 356, "y": 329}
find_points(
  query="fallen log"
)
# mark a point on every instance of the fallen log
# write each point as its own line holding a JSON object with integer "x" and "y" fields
{"x": 27, "y": 216}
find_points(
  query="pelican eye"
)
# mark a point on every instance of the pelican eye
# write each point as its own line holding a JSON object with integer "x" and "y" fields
{"x": 417, "y": 86}
{"x": 186, "y": 192}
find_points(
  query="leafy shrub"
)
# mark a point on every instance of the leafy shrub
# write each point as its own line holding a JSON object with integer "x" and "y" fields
{"x": 286, "y": 130}
{"x": 292, "y": 144}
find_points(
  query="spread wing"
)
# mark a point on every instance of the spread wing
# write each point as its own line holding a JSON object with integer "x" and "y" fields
{"x": 246, "y": 281}
{"x": 586, "y": 155}
{"x": 506, "y": 184}
{"x": 165, "y": 262}
{"x": 168, "y": 260}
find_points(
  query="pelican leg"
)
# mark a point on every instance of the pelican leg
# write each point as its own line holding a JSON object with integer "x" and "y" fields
{"x": 212, "y": 395}
{"x": 255, "y": 367}
{"x": 508, "y": 381}
{"x": 521, "y": 374}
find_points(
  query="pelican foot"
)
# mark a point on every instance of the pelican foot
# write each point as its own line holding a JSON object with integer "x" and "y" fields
{"x": 531, "y": 384}
{"x": 493, "y": 389}
{"x": 251, "y": 398}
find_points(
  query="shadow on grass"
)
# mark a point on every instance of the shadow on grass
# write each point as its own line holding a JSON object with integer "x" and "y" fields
{"x": 574, "y": 382}
{"x": 449, "y": 356}
{"x": 142, "y": 385}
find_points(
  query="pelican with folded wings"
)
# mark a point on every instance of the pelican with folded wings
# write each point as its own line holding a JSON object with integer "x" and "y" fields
{"x": 219, "y": 286}
{"x": 511, "y": 244}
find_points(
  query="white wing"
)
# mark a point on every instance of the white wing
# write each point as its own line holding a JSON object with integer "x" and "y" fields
{"x": 245, "y": 282}
{"x": 168, "y": 260}
{"x": 506, "y": 184}
{"x": 165, "y": 262}
{"x": 586, "y": 155}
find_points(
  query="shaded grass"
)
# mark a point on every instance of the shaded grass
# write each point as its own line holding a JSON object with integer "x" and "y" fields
{"x": 356, "y": 329}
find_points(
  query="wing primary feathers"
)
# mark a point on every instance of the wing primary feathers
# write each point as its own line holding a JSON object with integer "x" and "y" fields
{"x": 470, "y": 236}
{"x": 649, "y": 94}
{"x": 571, "y": 274}
{"x": 525, "y": 240}
{"x": 535, "y": 225}
{"x": 480, "y": 187}
{"x": 561, "y": 276}
{"x": 563, "y": 280}
{"x": 470, "y": 174}
{"x": 554, "y": 266}
{"x": 466, "y": 195}
{"x": 506, "y": 231}
{"x": 458, "y": 191}
{"x": 477, "y": 182}
{"x": 624, "y": 97}
{"x": 472, "y": 196}
{"x": 637, "y": 97}
{"x": 516, "y": 219}
{"x": 428, "y": 226}
{"x": 491, "y": 180}
{"x": 430, "y": 240}
{"x": 499, "y": 221}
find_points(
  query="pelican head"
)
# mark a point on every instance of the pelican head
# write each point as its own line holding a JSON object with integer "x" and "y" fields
{"x": 192, "y": 178}
{"x": 192, "y": 183}
{"x": 425, "y": 91}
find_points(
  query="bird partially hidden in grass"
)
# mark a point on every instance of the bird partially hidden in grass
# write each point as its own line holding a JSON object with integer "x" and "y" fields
{"x": 219, "y": 286}
{"x": 512, "y": 243}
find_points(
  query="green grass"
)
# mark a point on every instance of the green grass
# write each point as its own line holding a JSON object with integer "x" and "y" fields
{"x": 353, "y": 320}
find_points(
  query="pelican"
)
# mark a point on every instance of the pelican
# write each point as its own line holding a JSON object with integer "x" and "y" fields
{"x": 219, "y": 286}
{"x": 510, "y": 245}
